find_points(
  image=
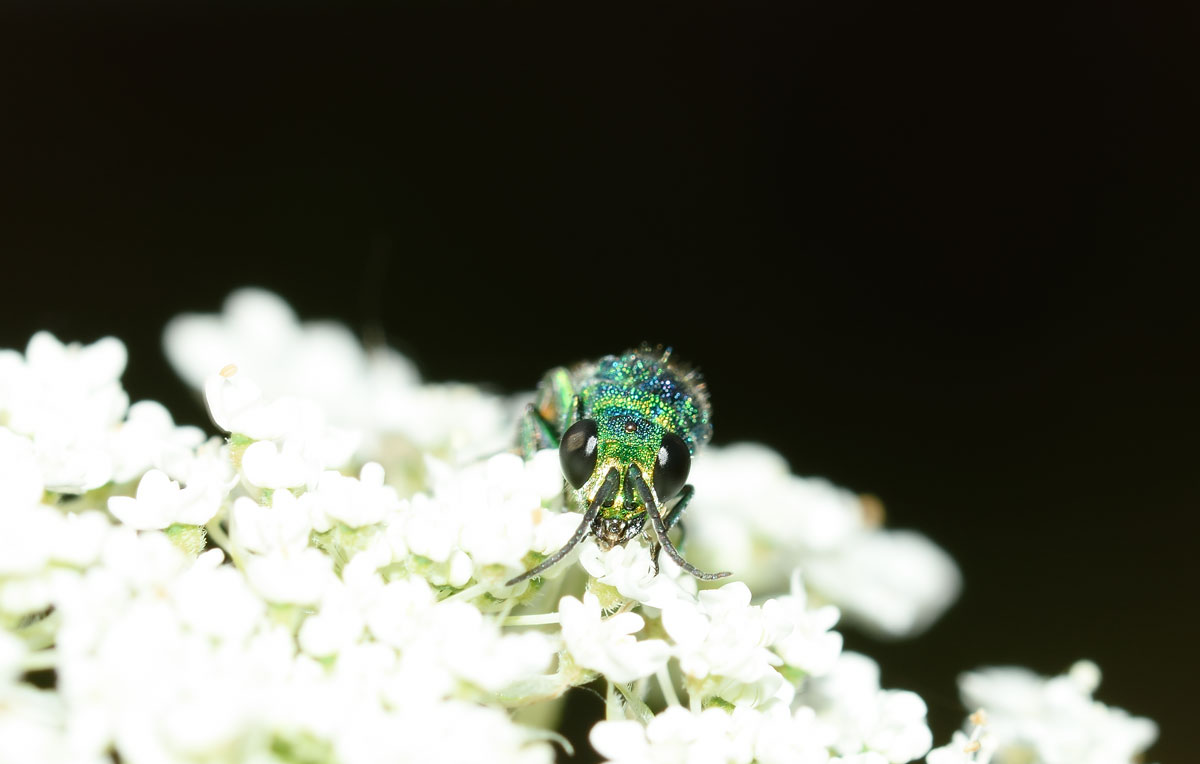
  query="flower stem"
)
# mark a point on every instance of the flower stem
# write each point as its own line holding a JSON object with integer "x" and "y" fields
{"x": 635, "y": 704}
{"x": 531, "y": 620}
{"x": 219, "y": 536}
{"x": 667, "y": 686}
{"x": 612, "y": 704}
{"x": 468, "y": 594}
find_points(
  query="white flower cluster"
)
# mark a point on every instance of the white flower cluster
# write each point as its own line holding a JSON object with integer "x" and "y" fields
{"x": 327, "y": 582}
{"x": 372, "y": 399}
{"x": 753, "y": 516}
{"x": 1051, "y": 720}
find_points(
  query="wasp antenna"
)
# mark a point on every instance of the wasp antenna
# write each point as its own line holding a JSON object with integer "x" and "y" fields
{"x": 606, "y": 489}
{"x": 660, "y": 529}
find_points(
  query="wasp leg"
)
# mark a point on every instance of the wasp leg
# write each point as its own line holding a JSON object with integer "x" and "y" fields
{"x": 674, "y": 515}
{"x": 660, "y": 529}
{"x": 673, "y": 518}
{"x": 536, "y": 432}
{"x": 554, "y": 408}
{"x": 606, "y": 490}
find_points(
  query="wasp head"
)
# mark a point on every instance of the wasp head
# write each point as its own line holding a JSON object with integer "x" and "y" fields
{"x": 592, "y": 448}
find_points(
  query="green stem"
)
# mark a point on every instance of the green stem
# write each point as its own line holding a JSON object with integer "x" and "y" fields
{"x": 218, "y": 535}
{"x": 468, "y": 594}
{"x": 635, "y": 704}
{"x": 540, "y": 619}
{"x": 612, "y": 704}
{"x": 667, "y": 686}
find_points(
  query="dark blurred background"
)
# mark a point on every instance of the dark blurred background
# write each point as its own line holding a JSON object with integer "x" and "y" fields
{"x": 937, "y": 252}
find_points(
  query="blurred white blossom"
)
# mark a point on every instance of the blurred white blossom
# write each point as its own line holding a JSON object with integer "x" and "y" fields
{"x": 753, "y": 517}
{"x": 1054, "y": 720}
{"x": 320, "y": 370}
{"x": 865, "y": 717}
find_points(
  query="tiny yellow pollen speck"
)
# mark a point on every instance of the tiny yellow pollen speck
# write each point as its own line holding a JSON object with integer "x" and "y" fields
{"x": 979, "y": 718}
{"x": 971, "y": 747}
{"x": 229, "y": 370}
{"x": 537, "y": 516}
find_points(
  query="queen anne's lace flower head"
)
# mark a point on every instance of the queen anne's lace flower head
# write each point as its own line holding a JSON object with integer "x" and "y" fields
{"x": 326, "y": 581}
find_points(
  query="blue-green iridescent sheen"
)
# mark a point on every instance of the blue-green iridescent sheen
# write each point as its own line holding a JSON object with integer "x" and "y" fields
{"x": 645, "y": 386}
{"x": 634, "y": 398}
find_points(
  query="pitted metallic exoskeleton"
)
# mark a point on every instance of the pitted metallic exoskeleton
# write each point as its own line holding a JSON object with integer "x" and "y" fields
{"x": 626, "y": 428}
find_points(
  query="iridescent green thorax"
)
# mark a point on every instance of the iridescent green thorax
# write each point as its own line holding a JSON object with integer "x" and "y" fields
{"x": 634, "y": 399}
{"x": 642, "y": 386}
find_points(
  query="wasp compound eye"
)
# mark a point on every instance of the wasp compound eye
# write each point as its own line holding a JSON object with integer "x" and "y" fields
{"x": 577, "y": 452}
{"x": 671, "y": 466}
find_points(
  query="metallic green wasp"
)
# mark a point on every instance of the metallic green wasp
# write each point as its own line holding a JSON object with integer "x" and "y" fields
{"x": 626, "y": 428}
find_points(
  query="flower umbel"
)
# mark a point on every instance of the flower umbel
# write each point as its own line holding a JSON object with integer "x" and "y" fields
{"x": 324, "y": 581}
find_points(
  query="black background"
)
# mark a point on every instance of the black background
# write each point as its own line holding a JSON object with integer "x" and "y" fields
{"x": 938, "y": 252}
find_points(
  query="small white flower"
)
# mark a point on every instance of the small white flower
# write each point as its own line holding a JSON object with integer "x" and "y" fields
{"x": 12, "y": 651}
{"x": 149, "y": 438}
{"x": 235, "y": 404}
{"x": 608, "y": 645}
{"x": 266, "y": 466}
{"x": 472, "y": 647}
{"x": 20, "y": 476}
{"x": 296, "y": 579}
{"x": 863, "y": 717}
{"x": 68, "y": 399}
{"x": 544, "y": 473}
{"x": 628, "y": 569}
{"x": 895, "y": 582}
{"x": 785, "y": 738}
{"x": 160, "y": 502}
{"x": 721, "y": 635}
{"x": 79, "y": 538}
{"x": 214, "y": 599}
{"x": 355, "y": 502}
{"x": 73, "y": 465}
{"x": 452, "y": 419}
{"x": 31, "y": 727}
{"x": 1055, "y": 720}
{"x": 397, "y": 616}
{"x": 27, "y": 540}
{"x": 337, "y": 625}
{"x": 429, "y": 530}
{"x": 282, "y": 527}
{"x": 963, "y": 750}
{"x": 676, "y": 736}
{"x": 803, "y": 637}
{"x": 552, "y": 530}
